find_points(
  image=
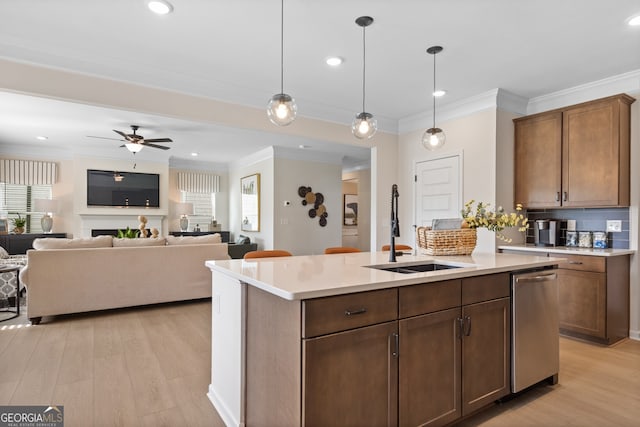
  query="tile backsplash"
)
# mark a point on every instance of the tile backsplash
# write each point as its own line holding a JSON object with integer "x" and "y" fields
{"x": 590, "y": 219}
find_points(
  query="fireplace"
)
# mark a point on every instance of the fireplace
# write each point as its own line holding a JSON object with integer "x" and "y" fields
{"x": 94, "y": 225}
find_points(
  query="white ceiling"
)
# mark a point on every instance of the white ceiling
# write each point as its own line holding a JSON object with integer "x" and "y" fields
{"x": 229, "y": 50}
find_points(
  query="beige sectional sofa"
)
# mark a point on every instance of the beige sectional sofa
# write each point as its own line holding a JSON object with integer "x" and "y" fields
{"x": 78, "y": 275}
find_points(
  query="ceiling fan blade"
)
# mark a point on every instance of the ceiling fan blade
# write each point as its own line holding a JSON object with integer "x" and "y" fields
{"x": 104, "y": 137}
{"x": 159, "y": 140}
{"x": 154, "y": 146}
{"x": 122, "y": 134}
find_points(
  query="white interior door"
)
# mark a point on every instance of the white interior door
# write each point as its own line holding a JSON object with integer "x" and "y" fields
{"x": 438, "y": 189}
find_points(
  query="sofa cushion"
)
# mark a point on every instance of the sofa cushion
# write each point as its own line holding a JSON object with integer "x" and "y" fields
{"x": 89, "y": 242}
{"x": 194, "y": 240}
{"x": 122, "y": 242}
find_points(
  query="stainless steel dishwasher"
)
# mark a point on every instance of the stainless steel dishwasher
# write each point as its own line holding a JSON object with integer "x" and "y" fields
{"x": 535, "y": 344}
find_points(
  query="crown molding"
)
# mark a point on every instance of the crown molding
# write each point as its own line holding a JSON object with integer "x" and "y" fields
{"x": 622, "y": 83}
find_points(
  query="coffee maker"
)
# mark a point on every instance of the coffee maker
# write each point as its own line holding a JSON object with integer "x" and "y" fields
{"x": 547, "y": 232}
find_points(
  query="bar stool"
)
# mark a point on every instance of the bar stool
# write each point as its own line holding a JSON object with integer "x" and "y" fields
{"x": 399, "y": 247}
{"x": 341, "y": 250}
{"x": 267, "y": 254}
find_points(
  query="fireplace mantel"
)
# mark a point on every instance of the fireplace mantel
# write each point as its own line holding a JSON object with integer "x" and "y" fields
{"x": 119, "y": 220}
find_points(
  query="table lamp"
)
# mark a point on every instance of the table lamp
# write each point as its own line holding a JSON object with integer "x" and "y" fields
{"x": 184, "y": 210}
{"x": 48, "y": 207}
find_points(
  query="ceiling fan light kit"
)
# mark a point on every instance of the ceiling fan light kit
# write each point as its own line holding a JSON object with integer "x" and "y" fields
{"x": 364, "y": 125}
{"x": 282, "y": 108}
{"x": 434, "y": 138}
{"x": 160, "y": 7}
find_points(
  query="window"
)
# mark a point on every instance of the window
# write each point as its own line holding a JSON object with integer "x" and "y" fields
{"x": 204, "y": 208}
{"x": 18, "y": 199}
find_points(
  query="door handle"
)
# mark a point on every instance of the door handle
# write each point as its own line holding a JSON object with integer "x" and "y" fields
{"x": 467, "y": 321}
{"x": 564, "y": 196}
{"x": 557, "y": 196}
{"x": 460, "y": 326}
{"x": 395, "y": 349}
{"x": 538, "y": 278}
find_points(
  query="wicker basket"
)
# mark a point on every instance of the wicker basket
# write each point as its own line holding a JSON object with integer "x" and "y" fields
{"x": 447, "y": 242}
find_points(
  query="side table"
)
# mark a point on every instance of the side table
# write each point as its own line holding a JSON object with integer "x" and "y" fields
{"x": 12, "y": 268}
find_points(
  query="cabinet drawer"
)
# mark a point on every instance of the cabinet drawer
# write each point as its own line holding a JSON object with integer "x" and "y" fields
{"x": 485, "y": 288}
{"x": 322, "y": 316}
{"x": 428, "y": 297}
{"x": 582, "y": 262}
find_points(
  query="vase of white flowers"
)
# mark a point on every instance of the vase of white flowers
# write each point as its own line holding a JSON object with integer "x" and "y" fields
{"x": 496, "y": 220}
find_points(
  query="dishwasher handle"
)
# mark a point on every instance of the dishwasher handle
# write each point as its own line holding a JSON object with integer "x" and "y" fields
{"x": 536, "y": 278}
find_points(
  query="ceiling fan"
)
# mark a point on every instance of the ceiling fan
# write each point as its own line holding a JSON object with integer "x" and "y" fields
{"x": 135, "y": 142}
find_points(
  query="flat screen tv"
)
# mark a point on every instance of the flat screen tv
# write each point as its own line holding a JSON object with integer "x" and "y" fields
{"x": 122, "y": 189}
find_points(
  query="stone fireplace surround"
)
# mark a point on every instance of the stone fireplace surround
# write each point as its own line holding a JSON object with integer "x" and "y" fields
{"x": 118, "y": 222}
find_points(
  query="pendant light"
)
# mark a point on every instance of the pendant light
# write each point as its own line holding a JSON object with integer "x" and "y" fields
{"x": 364, "y": 125}
{"x": 282, "y": 108}
{"x": 433, "y": 137}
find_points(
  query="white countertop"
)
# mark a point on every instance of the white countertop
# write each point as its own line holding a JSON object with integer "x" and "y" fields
{"x": 568, "y": 250}
{"x": 312, "y": 276}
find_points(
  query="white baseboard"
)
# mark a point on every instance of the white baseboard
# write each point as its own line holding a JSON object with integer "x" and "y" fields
{"x": 224, "y": 412}
{"x": 634, "y": 334}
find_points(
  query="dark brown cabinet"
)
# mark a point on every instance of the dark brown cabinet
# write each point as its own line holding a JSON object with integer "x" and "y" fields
{"x": 594, "y": 297}
{"x": 456, "y": 360}
{"x": 577, "y": 156}
{"x": 417, "y": 355}
{"x": 350, "y": 378}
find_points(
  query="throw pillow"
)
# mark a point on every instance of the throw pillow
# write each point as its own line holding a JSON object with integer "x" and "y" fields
{"x": 120, "y": 243}
{"x": 89, "y": 242}
{"x": 3, "y": 253}
{"x": 194, "y": 240}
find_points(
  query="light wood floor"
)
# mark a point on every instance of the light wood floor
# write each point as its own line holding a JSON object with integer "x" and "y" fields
{"x": 151, "y": 367}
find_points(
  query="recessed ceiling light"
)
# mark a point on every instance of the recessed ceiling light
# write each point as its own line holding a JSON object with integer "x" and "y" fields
{"x": 42, "y": 138}
{"x": 438, "y": 93}
{"x": 302, "y": 146}
{"x": 334, "y": 61}
{"x": 634, "y": 21}
{"x": 194, "y": 154}
{"x": 160, "y": 7}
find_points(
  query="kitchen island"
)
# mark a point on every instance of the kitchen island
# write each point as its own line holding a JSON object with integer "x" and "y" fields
{"x": 334, "y": 339}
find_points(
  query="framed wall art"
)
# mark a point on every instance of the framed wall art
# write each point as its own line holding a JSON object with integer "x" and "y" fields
{"x": 350, "y": 209}
{"x": 250, "y": 188}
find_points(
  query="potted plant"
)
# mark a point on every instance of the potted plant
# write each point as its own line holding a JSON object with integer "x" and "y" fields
{"x": 18, "y": 224}
{"x": 493, "y": 220}
{"x": 129, "y": 233}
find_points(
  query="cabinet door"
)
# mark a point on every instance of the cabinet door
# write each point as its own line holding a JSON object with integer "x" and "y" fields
{"x": 351, "y": 378}
{"x": 591, "y": 156}
{"x": 538, "y": 154}
{"x": 486, "y": 350}
{"x": 429, "y": 372}
{"x": 582, "y": 301}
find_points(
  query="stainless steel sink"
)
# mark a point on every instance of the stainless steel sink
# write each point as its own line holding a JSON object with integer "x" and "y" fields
{"x": 419, "y": 268}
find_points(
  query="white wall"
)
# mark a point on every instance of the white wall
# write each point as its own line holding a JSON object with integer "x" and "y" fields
{"x": 474, "y": 136}
{"x": 262, "y": 163}
{"x": 294, "y": 230}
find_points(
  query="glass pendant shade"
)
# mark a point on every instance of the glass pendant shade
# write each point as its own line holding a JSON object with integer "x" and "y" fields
{"x": 282, "y": 109}
{"x": 364, "y": 126}
{"x": 433, "y": 138}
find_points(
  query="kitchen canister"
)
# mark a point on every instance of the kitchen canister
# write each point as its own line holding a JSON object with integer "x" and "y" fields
{"x": 600, "y": 239}
{"x": 585, "y": 239}
{"x": 572, "y": 238}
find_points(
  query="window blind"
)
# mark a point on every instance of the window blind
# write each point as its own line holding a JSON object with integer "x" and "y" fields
{"x": 28, "y": 172}
{"x": 198, "y": 182}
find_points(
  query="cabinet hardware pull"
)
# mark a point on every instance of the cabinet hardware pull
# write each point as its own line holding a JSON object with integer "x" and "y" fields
{"x": 564, "y": 197}
{"x": 575, "y": 262}
{"x": 396, "y": 344}
{"x": 467, "y": 320}
{"x": 460, "y": 327}
{"x": 557, "y": 196}
{"x": 354, "y": 312}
